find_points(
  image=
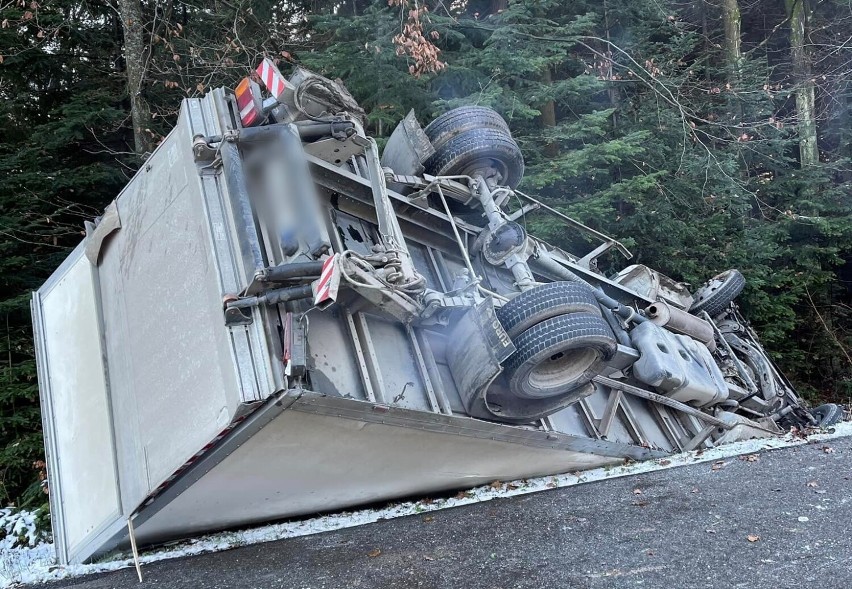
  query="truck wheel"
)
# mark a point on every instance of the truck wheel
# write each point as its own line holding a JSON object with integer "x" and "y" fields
{"x": 482, "y": 152}
{"x": 828, "y": 414}
{"x": 559, "y": 355}
{"x": 462, "y": 119}
{"x": 718, "y": 292}
{"x": 533, "y": 306}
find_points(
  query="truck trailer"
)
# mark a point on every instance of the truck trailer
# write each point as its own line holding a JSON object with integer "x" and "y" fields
{"x": 274, "y": 319}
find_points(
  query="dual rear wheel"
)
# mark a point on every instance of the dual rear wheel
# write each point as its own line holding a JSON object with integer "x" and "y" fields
{"x": 561, "y": 339}
{"x": 474, "y": 141}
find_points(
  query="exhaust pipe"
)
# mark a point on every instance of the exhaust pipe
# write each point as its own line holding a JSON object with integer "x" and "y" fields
{"x": 663, "y": 314}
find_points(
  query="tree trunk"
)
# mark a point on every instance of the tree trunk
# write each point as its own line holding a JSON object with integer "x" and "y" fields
{"x": 733, "y": 34}
{"x": 498, "y": 5}
{"x": 134, "y": 57}
{"x": 612, "y": 90}
{"x": 548, "y": 116}
{"x": 805, "y": 108}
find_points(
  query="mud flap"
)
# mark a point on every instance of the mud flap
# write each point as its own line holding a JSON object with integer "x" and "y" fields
{"x": 477, "y": 346}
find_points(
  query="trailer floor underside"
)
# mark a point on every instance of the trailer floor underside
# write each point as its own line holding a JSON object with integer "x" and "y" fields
{"x": 689, "y": 527}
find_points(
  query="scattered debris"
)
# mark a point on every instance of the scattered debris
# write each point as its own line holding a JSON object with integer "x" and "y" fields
{"x": 753, "y": 537}
{"x": 718, "y": 465}
{"x": 374, "y": 553}
{"x": 750, "y": 457}
{"x": 804, "y": 518}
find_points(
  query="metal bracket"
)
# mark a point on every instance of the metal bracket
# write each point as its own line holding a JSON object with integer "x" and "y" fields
{"x": 591, "y": 257}
{"x": 234, "y": 315}
{"x": 202, "y": 152}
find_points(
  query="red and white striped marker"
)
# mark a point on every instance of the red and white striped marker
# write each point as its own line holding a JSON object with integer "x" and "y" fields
{"x": 327, "y": 285}
{"x": 271, "y": 77}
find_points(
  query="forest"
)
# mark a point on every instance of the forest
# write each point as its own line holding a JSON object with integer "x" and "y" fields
{"x": 705, "y": 135}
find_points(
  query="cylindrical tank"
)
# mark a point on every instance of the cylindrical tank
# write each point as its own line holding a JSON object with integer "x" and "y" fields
{"x": 665, "y": 315}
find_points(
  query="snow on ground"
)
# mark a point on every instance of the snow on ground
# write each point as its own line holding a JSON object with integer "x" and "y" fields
{"x": 34, "y": 565}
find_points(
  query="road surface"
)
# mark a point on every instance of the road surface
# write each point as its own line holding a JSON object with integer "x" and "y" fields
{"x": 776, "y": 521}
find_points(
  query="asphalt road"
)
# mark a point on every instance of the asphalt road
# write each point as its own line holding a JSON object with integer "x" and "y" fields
{"x": 781, "y": 521}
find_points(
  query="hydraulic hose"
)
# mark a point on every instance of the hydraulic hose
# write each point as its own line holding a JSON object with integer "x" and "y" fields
{"x": 284, "y": 272}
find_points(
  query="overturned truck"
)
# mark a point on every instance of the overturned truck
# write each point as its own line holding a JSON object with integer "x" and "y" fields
{"x": 273, "y": 320}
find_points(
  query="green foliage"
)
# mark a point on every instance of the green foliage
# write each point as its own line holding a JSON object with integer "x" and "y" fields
{"x": 629, "y": 117}
{"x": 60, "y": 162}
{"x": 652, "y": 141}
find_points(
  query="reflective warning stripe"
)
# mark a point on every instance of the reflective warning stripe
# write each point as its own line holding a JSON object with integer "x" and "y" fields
{"x": 326, "y": 286}
{"x": 271, "y": 77}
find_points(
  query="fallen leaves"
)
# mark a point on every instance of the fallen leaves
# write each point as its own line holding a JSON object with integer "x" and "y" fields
{"x": 752, "y": 537}
{"x": 374, "y": 553}
{"x": 750, "y": 458}
{"x": 828, "y": 449}
{"x": 428, "y": 519}
{"x": 718, "y": 465}
{"x": 802, "y": 434}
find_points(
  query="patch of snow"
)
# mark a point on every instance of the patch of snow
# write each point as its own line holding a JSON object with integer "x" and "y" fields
{"x": 17, "y": 526}
{"x": 35, "y": 565}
